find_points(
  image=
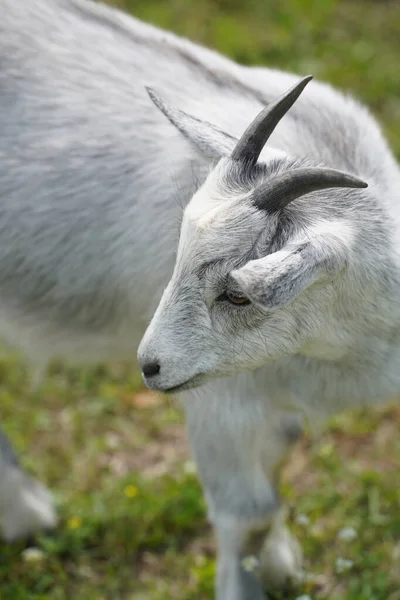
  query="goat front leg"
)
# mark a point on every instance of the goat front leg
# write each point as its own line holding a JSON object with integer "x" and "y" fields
{"x": 239, "y": 443}
{"x": 26, "y": 506}
{"x": 239, "y": 543}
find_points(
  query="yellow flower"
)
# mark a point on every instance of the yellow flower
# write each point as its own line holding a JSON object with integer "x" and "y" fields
{"x": 75, "y": 523}
{"x": 110, "y": 390}
{"x": 131, "y": 491}
{"x": 326, "y": 450}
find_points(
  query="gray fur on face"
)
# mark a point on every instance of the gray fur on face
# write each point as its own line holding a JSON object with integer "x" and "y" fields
{"x": 246, "y": 253}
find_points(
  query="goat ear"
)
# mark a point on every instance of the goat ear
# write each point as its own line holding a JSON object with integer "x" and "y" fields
{"x": 275, "y": 280}
{"x": 211, "y": 141}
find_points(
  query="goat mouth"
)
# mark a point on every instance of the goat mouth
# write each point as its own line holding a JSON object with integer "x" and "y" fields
{"x": 191, "y": 383}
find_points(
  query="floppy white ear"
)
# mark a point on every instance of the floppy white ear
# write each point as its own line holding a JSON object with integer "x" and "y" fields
{"x": 276, "y": 279}
{"x": 209, "y": 139}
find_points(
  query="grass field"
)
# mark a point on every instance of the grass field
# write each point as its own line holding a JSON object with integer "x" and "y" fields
{"x": 132, "y": 517}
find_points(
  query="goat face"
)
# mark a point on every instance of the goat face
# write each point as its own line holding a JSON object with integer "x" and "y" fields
{"x": 253, "y": 280}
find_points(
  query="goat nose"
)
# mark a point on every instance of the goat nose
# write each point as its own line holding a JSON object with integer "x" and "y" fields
{"x": 151, "y": 369}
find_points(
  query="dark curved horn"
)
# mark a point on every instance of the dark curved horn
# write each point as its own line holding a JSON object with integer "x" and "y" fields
{"x": 256, "y": 135}
{"x": 277, "y": 193}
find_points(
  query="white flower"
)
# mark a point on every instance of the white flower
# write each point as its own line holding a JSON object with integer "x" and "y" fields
{"x": 250, "y": 563}
{"x": 304, "y": 597}
{"x": 347, "y": 534}
{"x": 189, "y": 467}
{"x": 302, "y": 520}
{"x": 33, "y": 555}
{"x": 342, "y": 565}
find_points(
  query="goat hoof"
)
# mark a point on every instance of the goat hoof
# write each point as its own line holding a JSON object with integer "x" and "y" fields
{"x": 27, "y": 508}
{"x": 281, "y": 561}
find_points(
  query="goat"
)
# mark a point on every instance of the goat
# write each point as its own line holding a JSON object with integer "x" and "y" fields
{"x": 92, "y": 180}
{"x": 284, "y": 291}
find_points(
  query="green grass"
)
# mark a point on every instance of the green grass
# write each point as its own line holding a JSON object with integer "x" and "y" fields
{"x": 132, "y": 517}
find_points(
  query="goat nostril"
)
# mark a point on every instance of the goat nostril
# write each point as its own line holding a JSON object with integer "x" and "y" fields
{"x": 151, "y": 369}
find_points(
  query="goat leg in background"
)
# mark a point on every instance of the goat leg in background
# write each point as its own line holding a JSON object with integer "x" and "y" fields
{"x": 239, "y": 444}
{"x": 26, "y": 506}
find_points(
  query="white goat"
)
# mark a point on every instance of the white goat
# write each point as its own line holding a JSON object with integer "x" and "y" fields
{"x": 92, "y": 180}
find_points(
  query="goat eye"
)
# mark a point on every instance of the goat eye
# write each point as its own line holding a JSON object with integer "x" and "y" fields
{"x": 236, "y": 299}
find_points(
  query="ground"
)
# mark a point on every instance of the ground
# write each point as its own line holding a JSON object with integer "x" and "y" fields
{"x": 132, "y": 518}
